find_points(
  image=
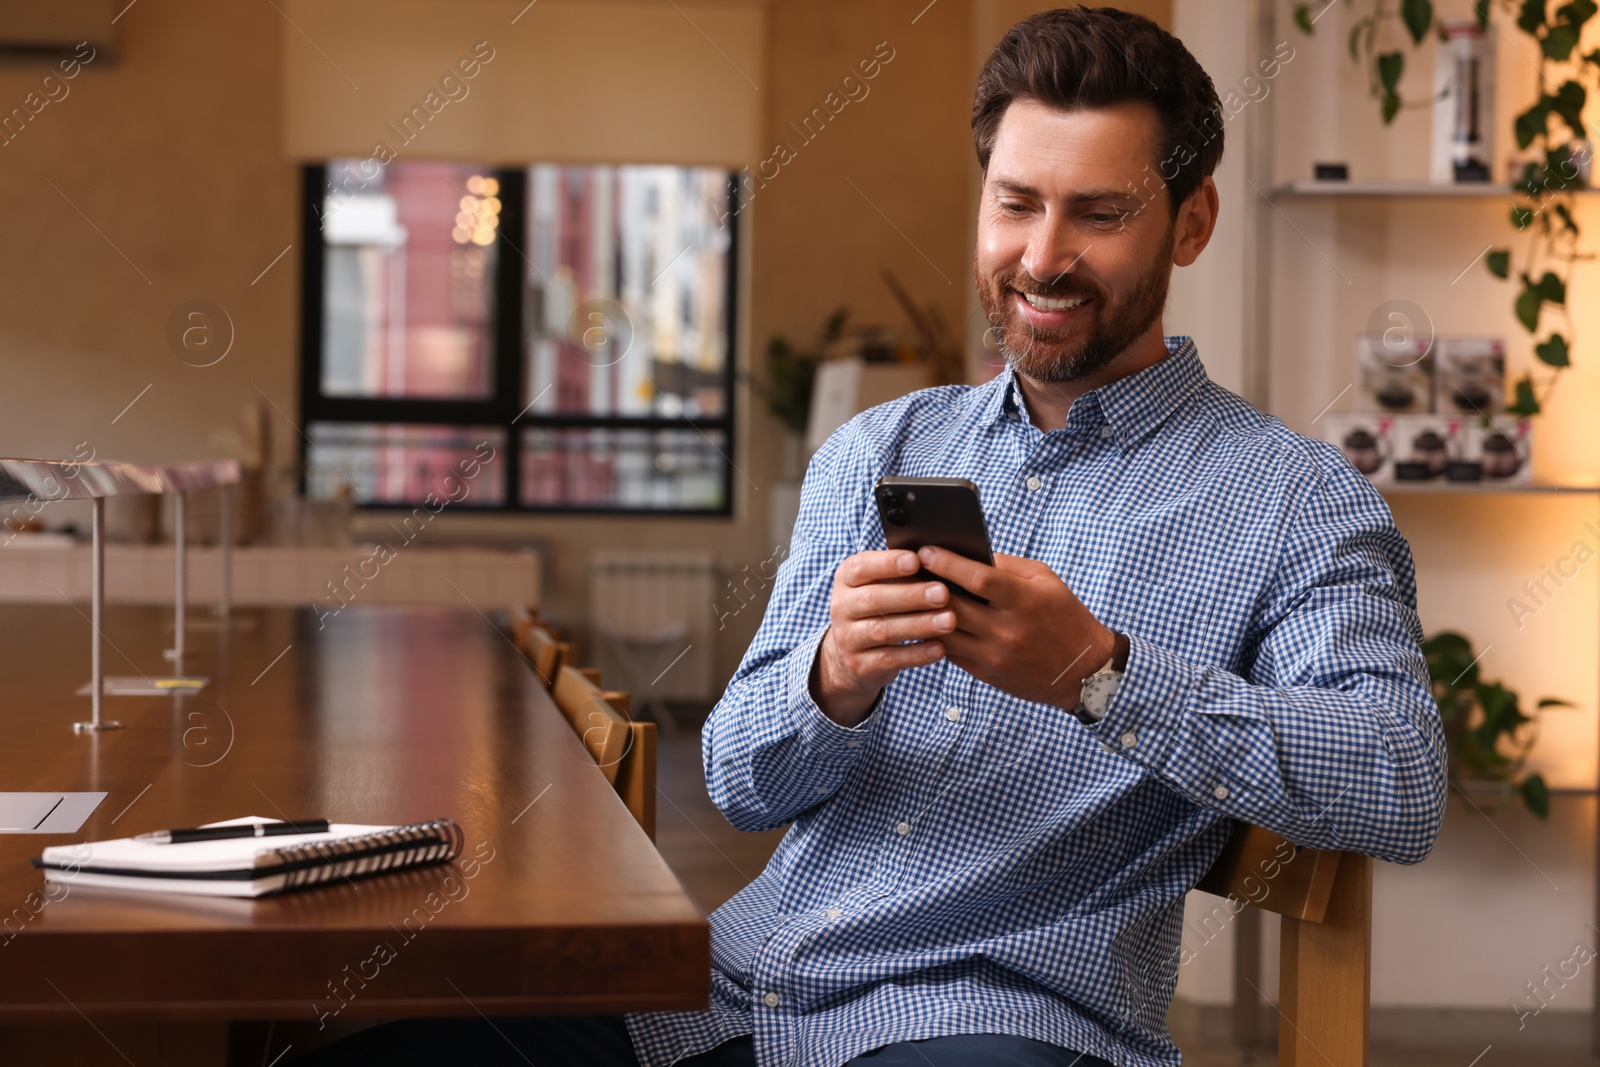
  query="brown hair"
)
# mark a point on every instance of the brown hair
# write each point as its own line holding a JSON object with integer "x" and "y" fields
{"x": 1080, "y": 57}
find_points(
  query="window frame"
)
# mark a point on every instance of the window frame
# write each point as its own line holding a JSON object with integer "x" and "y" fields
{"x": 504, "y": 407}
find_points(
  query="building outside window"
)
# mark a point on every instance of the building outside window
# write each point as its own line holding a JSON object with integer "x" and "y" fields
{"x": 574, "y": 323}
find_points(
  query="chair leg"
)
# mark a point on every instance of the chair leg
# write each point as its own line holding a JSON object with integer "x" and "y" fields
{"x": 1325, "y": 976}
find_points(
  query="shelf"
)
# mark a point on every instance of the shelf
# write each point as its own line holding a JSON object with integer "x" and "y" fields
{"x": 1399, "y": 190}
{"x": 1490, "y": 788}
{"x": 1480, "y": 488}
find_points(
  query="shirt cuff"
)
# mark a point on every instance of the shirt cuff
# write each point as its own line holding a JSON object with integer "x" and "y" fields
{"x": 1145, "y": 714}
{"x": 820, "y": 735}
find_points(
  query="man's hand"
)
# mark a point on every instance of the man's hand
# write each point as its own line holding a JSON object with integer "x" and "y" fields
{"x": 1034, "y": 639}
{"x": 873, "y": 610}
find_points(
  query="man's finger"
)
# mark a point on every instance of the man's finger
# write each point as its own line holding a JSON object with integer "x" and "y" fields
{"x": 893, "y": 629}
{"x": 978, "y": 578}
{"x": 864, "y": 568}
{"x": 890, "y": 598}
{"x": 892, "y": 658}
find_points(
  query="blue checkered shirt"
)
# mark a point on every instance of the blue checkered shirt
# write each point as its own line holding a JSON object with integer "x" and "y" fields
{"x": 968, "y": 862}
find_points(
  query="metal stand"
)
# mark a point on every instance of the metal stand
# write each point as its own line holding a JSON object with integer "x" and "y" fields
{"x": 180, "y": 602}
{"x": 131, "y": 686}
{"x": 97, "y": 603}
{"x": 225, "y": 535}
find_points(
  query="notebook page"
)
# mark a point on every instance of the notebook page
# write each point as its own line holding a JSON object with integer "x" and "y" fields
{"x": 233, "y": 854}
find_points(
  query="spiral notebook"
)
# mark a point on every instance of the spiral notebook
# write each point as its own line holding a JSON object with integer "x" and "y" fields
{"x": 251, "y": 866}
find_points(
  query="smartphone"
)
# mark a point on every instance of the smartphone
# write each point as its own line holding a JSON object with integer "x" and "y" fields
{"x": 942, "y": 512}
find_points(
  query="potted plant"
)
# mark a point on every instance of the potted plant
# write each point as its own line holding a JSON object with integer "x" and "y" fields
{"x": 1488, "y": 735}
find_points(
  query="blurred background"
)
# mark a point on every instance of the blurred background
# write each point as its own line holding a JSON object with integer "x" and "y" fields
{"x": 557, "y": 298}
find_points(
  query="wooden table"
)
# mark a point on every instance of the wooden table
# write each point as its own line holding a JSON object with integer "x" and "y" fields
{"x": 385, "y": 715}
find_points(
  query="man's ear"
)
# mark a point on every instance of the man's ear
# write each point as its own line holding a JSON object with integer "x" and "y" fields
{"x": 1197, "y": 218}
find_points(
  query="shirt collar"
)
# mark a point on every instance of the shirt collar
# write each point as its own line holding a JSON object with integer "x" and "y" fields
{"x": 1131, "y": 406}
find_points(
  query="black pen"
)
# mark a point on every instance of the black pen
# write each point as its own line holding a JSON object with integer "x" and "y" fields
{"x": 248, "y": 829}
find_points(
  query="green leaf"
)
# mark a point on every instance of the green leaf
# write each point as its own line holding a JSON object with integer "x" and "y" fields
{"x": 1418, "y": 16}
{"x": 1527, "y": 308}
{"x": 1552, "y": 288}
{"x": 1553, "y": 353}
{"x": 1559, "y": 41}
{"x": 1480, "y": 8}
{"x": 1577, "y": 12}
{"x": 1391, "y": 107}
{"x": 1446, "y": 642}
{"x": 1531, "y": 17}
{"x": 1521, "y": 217}
{"x": 1526, "y": 405}
{"x": 1532, "y": 123}
{"x": 1499, "y": 262}
{"x": 1566, "y": 217}
{"x": 1568, "y": 103}
{"x": 1302, "y": 18}
{"x": 1536, "y": 795}
{"x": 1390, "y": 66}
{"x": 1555, "y": 702}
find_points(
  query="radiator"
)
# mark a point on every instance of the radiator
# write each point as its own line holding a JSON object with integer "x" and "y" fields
{"x": 651, "y": 615}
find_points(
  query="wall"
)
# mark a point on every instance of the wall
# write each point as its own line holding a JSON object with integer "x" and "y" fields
{"x": 157, "y": 180}
{"x": 612, "y": 81}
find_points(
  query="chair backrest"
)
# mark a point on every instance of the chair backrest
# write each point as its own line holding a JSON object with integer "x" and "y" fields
{"x": 1325, "y": 954}
{"x": 602, "y": 727}
{"x": 625, "y": 751}
{"x": 522, "y": 619}
{"x": 547, "y": 654}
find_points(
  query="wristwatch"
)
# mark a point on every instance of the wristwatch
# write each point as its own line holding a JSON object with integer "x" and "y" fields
{"x": 1096, "y": 691}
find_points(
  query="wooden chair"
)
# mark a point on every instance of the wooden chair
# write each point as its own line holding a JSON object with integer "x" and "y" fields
{"x": 544, "y": 650}
{"x": 1325, "y": 955}
{"x": 624, "y": 750}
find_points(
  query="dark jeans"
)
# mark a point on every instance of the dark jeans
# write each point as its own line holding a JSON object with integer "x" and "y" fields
{"x": 602, "y": 1041}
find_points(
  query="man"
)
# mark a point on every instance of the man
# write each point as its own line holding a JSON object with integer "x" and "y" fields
{"x": 1194, "y": 616}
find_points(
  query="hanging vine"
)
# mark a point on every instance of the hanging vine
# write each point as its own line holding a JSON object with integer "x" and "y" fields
{"x": 1546, "y": 188}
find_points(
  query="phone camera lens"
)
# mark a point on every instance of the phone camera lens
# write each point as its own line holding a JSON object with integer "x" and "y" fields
{"x": 896, "y": 516}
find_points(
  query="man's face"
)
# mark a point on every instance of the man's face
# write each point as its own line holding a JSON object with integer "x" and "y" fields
{"x": 1062, "y": 222}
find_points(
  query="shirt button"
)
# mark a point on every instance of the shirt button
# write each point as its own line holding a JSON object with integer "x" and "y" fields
{"x": 1220, "y": 792}
{"x": 1106, "y": 431}
{"x": 770, "y": 1000}
{"x": 822, "y": 789}
{"x": 834, "y": 913}
{"x": 1033, "y": 483}
{"x": 903, "y": 829}
{"x": 852, "y": 744}
{"x": 1129, "y": 739}
{"x": 953, "y": 714}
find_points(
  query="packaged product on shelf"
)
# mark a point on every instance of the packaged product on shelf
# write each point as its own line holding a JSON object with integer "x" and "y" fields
{"x": 1464, "y": 447}
{"x": 1364, "y": 440}
{"x": 1469, "y": 375}
{"x": 1395, "y": 377}
{"x": 1421, "y": 447}
{"x": 1505, "y": 446}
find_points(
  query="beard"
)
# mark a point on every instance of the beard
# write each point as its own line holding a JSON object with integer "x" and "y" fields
{"x": 1065, "y": 354}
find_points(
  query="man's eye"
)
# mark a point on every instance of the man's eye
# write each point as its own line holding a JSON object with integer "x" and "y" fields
{"x": 1013, "y": 208}
{"x": 1106, "y": 216}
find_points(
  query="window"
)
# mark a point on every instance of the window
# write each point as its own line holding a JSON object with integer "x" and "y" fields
{"x": 555, "y": 338}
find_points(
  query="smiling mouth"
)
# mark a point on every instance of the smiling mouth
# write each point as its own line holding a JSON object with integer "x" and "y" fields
{"x": 1053, "y": 303}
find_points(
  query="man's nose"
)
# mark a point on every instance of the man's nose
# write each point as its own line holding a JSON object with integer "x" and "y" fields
{"x": 1054, "y": 249}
